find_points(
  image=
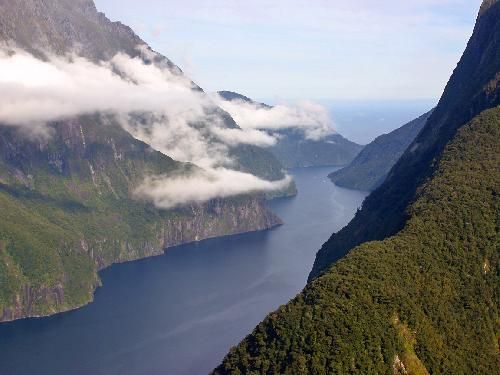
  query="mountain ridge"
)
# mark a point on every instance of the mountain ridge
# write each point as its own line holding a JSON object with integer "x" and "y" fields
{"x": 370, "y": 168}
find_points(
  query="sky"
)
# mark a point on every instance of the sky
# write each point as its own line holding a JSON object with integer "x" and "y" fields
{"x": 307, "y": 49}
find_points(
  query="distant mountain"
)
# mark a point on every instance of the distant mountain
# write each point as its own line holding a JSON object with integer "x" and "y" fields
{"x": 67, "y": 201}
{"x": 294, "y": 150}
{"x": 417, "y": 289}
{"x": 370, "y": 168}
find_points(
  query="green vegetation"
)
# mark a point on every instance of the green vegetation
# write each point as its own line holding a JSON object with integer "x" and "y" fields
{"x": 63, "y": 220}
{"x": 370, "y": 168}
{"x": 68, "y": 209}
{"x": 422, "y": 301}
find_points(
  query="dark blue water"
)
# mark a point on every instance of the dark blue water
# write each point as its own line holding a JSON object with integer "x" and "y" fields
{"x": 181, "y": 312}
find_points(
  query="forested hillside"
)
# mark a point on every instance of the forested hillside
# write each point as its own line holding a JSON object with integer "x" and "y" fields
{"x": 423, "y": 301}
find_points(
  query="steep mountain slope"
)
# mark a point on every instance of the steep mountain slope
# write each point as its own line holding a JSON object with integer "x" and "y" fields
{"x": 68, "y": 204}
{"x": 68, "y": 210}
{"x": 64, "y": 26}
{"x": 67, "y": 26}
{"x": 294, "y": 150}
{"x": 370, "y": 168}
{"x": 473, "y": 87}
{"x": 423, "y": 301}
{"x": 424, "y": 297}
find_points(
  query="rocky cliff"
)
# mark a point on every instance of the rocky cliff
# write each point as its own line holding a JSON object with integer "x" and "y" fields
{"x": 69, "y": 210}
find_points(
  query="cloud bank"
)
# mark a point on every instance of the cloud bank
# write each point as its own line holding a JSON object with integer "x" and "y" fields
{"x": 171, "y": 191}
{"x": 313, "y": 119}
{"x": 154, "y": 104}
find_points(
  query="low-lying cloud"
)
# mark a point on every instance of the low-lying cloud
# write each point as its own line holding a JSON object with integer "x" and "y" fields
{"x": 156, "y": 105}
{"x": 172, "y": 191}
{"x": 313, "y": 119}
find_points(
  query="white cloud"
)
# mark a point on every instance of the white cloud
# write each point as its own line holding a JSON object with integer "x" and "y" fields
{"x": 248, "y": 136}
{"x": 38, "y": 92}
{"x": 313, "y": 119}
{"x": 172, "y": 191}
{"x": 151, "y": 102}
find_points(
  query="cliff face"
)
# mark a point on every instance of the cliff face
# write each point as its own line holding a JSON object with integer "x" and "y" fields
{"x": 64, "y": 26}
{"x": 370, "y": 168}
{"x": 69, "y": 210}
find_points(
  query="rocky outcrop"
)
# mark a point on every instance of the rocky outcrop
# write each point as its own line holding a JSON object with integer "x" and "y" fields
{"x": 219, "y": 218}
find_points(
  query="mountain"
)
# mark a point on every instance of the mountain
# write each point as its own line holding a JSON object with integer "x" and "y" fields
{"x": 417, "y": 292}
{"x": 472, "y": 88}
{"x": 68, "y": 199}
{"x": 44, "y": 27}
{"x": 295, "y": 150}
{"x": 370, "y": 168}
{"x": 68, "y": 211}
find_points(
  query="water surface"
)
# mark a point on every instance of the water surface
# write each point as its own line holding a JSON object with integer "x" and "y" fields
{"x": 181, "y": 312}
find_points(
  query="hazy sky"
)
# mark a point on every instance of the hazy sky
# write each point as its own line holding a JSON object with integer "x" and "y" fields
{"x": 307, "y": 49}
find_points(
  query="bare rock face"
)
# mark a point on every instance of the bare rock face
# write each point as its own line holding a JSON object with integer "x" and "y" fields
{"x": 62, "y": 26}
